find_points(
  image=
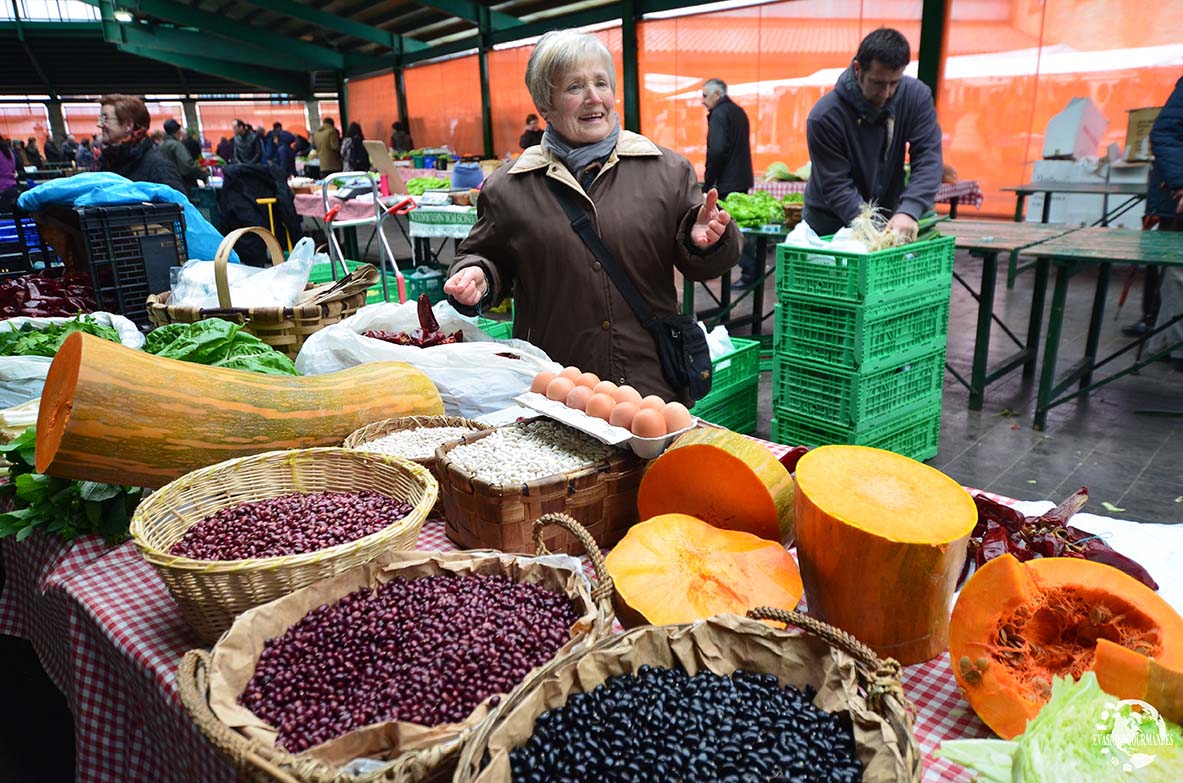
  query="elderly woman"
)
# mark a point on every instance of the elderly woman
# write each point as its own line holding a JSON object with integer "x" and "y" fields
{"x": 643, "y": 201}
{"x": 127, "y": 147}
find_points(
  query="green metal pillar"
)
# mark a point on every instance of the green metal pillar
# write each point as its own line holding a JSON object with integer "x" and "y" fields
{"x": 312, "y": 111}
{"x": 400, "y": 92}
{"x": 486, "y": 107}
{"x": 631, "y": 88}
{"x": 342, "y": 101}
{"x": 189, "y": 108}
{"x": 57, "y": 120}
{"x": 933, "y": 28}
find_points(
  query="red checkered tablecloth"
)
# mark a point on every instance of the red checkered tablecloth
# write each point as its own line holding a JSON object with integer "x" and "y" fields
{"x": 110, "y": 637}
{"x": 966, "y": 191}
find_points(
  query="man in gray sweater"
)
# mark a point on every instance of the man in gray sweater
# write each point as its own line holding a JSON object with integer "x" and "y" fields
{"x": 858, "y": 136}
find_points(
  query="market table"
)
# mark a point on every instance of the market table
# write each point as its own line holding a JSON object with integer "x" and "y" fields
{"x": 1071, "y": 253}
{"x": 447, "y": 222}
{"x": 966, "y": 191}
{"x": 111, "y": 638}
{"x": 1136, "y": 190}
{"x": 986, "y": 239}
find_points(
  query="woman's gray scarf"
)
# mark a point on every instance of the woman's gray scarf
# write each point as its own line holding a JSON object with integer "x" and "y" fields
{"x": 577, "y": 159}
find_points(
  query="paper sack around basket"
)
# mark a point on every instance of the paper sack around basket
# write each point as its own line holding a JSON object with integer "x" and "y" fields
{"x": 474, "y": 377}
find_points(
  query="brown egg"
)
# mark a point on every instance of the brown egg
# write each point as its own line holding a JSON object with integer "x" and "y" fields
{"x": 648, "y": 424}
{"x": 559, "y": 388}
{"x": 571, "y": 373}
{"x": 628, "y": 394}
{"x": 601, "y": 406}
{"x": 541, "y": 381}
{"x": 653, "y": 403}
{"x": 676, "y": 417}
{"x": 579, "y": 397}
{"x": 605, "y": 387}
{"x": 588, "y": 379}
{"x": 622, "y": 415}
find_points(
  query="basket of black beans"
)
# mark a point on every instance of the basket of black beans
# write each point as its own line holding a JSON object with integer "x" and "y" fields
{"x": 726, "y": 699}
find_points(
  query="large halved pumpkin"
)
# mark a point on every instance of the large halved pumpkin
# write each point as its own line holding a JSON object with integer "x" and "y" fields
{"x": 677, "y": 569}
{"x": 881, "y": 540}
{"x": 725, "y": 479}
{"x": 1017, "y": 625}
{"x": 119, "y": 416}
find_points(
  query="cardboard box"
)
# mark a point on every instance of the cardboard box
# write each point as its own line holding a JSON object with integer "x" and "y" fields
{"x": 1137, "y": 133}
{"x": 1075, "y": 132}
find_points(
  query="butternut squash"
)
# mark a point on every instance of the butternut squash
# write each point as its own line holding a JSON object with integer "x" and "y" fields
{"x": 724, "y": 479}
{"x": 881, "y": 540}
{"x": 674, "y": 568}
{"x": 120, "y": 416}
{"x": 1016, "y": 626}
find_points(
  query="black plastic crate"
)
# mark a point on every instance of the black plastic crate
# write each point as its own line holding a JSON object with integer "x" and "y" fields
{"x": 130, "y": 250}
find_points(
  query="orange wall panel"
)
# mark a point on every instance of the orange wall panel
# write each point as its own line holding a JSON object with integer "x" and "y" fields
{"x": 444, "y": 104}
{"x": 20, "y": 122}
{"x": 82, "y": 119}
{"x": 373, "y": 103}
{"x": 217, "y": 118}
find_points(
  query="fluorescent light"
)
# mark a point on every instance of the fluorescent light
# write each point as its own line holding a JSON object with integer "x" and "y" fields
{"x": 124, "y": 16}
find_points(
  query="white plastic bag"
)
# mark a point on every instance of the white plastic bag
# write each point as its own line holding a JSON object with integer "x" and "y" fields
{"x": 274, "y": 286}
{"x": 843, "y": 241}
{"x": 474, "y": 377}
{"x": 23, "y": 377}
{"x": 718, "y": 341}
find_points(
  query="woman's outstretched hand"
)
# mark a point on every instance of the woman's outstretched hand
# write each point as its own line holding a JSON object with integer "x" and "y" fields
{"x": 711, "y": 222}
{"x": 467, "y": 286}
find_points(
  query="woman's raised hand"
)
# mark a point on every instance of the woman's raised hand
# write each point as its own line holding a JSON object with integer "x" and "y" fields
{"x": 467, "y": 286}
{"x": 711, "y": 222}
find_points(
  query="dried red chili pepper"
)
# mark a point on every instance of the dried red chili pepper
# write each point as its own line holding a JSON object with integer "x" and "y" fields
{"x": 426, "y": 336}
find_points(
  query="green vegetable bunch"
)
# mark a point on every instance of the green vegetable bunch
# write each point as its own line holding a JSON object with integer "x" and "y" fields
{"x": 752, "y": 210}
{"x": 64, "y": 508}
{"x": 45, "y": 341}
{"x": 217, "y": 343}
{"x": 793, "y": 198}
{"x": 417, "y": 186}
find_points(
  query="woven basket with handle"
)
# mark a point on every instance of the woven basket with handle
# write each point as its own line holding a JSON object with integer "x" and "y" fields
{"x": 283, "y": 328}
{"x": 601, "y": 497}
{"x": 875, "y": 683}
{"x": 793, "y": 213}
{"x": 257, "y": 763}
{"x": 211, "y": 593}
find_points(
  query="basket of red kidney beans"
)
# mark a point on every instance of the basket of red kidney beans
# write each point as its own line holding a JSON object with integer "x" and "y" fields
{"x": 243, "y": 532}
{"x": 394, "y": 663}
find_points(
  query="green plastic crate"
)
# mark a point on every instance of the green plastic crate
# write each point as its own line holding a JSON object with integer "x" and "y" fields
{"x": 206, "y": 201}
{"x": 861, "y": 337}
{"x": 846, "y": 397}
{"x": 425, "y": 280}
{"x": 865, "y": 278}
{"x": 733, "y": 369}
{"x": 914, "y": 433}
{"x": 736, "y": 410}
{"x": 498, "y": 330}
{"x": 321, "y": 273}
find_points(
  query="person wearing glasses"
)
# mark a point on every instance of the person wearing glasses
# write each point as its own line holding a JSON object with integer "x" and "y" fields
{"x": 127, "y": 148}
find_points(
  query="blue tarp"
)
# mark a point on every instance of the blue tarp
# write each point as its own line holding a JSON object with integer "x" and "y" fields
{"x": 106, "y": 189}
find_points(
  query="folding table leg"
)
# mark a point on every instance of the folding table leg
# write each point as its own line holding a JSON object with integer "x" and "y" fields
{"x": 977, "y": 383}
{"x": 1098, "y": 316}
{"x": 1035, "y": 323}
{"x": 1055, "y": 323}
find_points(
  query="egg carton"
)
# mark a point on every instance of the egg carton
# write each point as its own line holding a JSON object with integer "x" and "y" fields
{"x": 645, "y": 448}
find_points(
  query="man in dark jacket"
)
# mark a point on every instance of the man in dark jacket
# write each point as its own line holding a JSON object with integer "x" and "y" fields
{"x": 1164, "y": 209}
{"x": 127, "y": 148}
{"x": 729, "y": 157}
{"x": 857, "y": 138}
{"x": 173, "y": 150}
{"x": 247, "y": 146}
{"x": 192, "y": 145}
{"x": 532, "y": 135}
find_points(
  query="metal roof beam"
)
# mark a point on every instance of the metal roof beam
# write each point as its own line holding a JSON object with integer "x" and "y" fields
{"x": 274, "y": 81}
{"x": 340, "y": 24}
{"x": 470, "y": 11}
{"x": 188, "y": 42}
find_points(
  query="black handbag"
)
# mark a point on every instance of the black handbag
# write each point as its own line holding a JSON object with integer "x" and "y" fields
{"x": 681, "y": 345}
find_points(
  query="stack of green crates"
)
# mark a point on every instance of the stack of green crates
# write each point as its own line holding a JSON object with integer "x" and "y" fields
{"x": 735, "y": 389}
{"x": 859, "y": 352}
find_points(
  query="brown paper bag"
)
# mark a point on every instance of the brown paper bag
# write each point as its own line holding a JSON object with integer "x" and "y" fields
{"x": 721, "y": 645}
{"x": 237, "y": 652}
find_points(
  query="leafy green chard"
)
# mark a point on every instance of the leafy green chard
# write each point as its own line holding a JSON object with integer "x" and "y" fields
{"x": 29, "y": 340}
{"x": 1082, "y": 735}
{"x": 60, "y": 507}
{"x": 217, "y": 343}
{"x": 752, "y": 210}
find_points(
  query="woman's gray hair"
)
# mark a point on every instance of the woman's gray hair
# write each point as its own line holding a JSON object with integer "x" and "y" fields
{"x": 558, "y": 52}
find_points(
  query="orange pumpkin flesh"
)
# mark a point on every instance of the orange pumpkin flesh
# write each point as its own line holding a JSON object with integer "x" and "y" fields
{"x": 881, "y": 540}
{"x": 675, "y": 568}
{"x": 121, "y": 416}
{"x": 724, "y": 479}
{"x": 1017, "y": 625}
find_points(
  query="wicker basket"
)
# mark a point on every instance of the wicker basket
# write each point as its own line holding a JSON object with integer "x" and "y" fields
{"x": 870, "y": 685}
{"x": 481, "y": 515}
{"x": 258, "y": 763}
{"x": 359, "y": 438}
{"x": 212, "y": 593}
{"x": 283, "y": 328}
{"x": 793, "y": 214}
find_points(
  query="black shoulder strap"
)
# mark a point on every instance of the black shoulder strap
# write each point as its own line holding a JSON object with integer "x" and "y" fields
{"x": 582, "y": 226}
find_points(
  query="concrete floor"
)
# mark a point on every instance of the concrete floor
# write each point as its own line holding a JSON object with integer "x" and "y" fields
{"x": 1131, "y": 460}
